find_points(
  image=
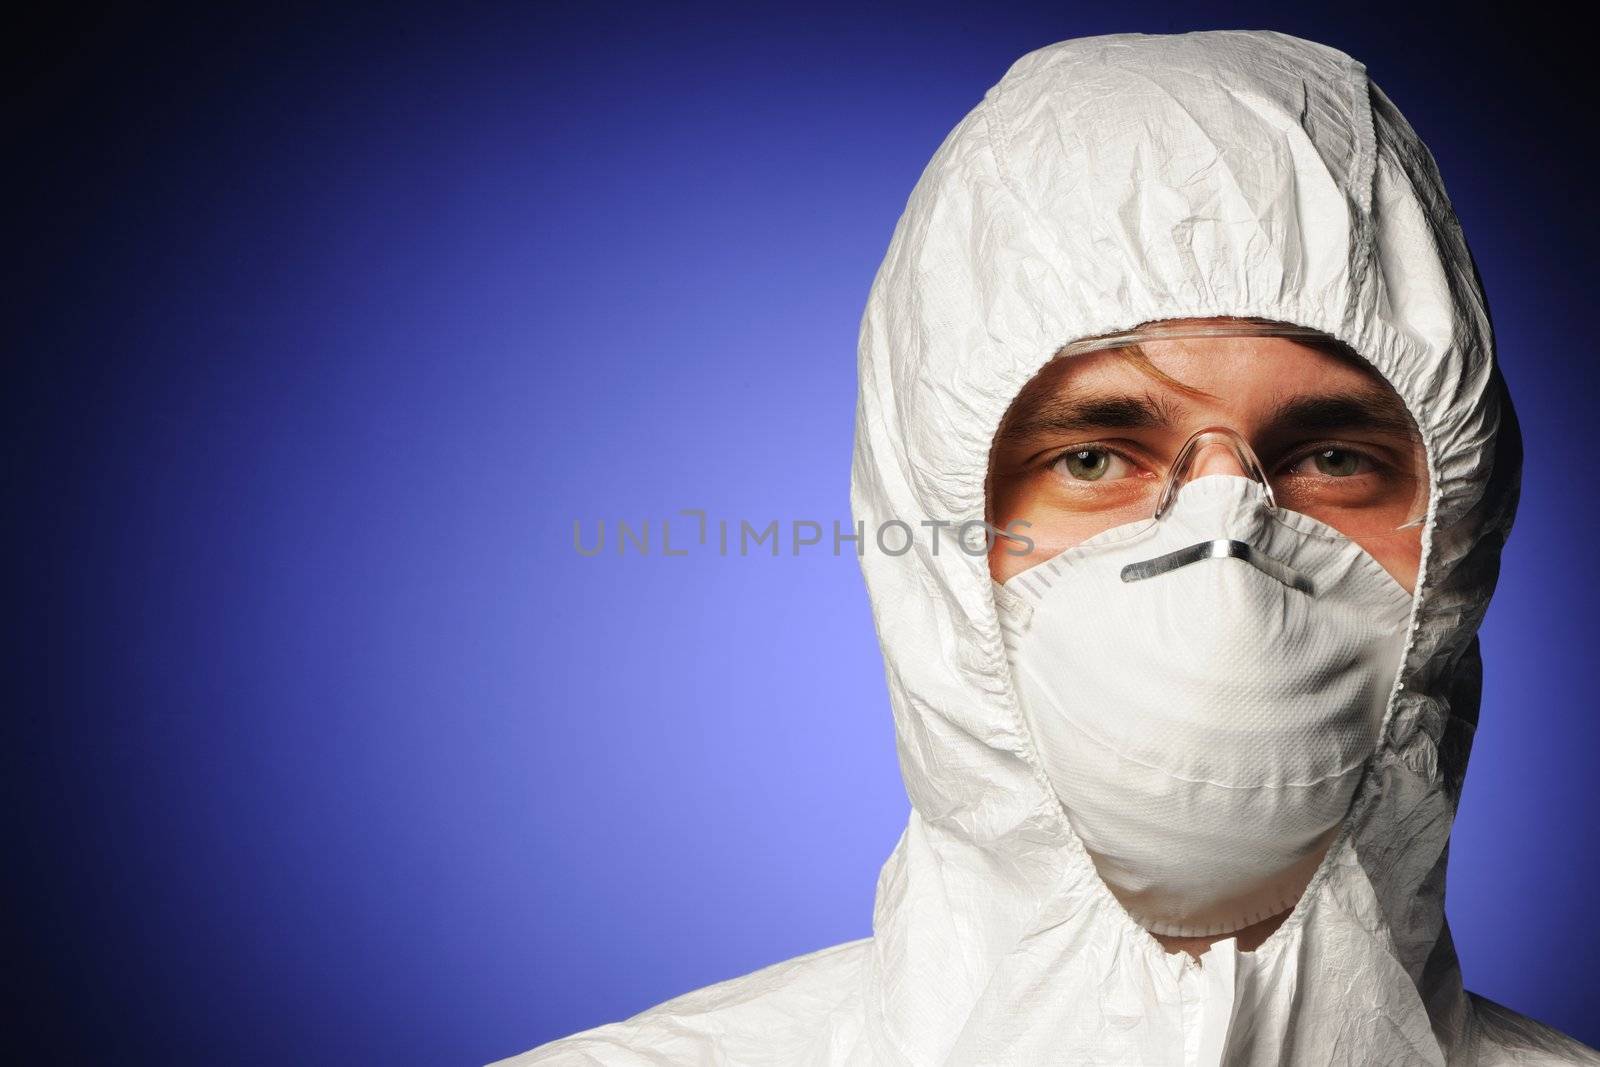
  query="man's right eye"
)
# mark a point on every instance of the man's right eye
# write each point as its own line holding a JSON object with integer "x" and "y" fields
{"x": 1091, "y": 464}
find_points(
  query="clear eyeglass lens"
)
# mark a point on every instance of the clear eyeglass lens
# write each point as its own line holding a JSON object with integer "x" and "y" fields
{"x": 1364, "y": 494}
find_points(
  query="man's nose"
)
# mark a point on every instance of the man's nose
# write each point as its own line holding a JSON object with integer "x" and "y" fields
{"x": 1216, "y": 457}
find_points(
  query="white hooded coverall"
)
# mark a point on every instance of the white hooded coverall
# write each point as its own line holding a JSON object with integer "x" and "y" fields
{"x": 1103, "y": 183}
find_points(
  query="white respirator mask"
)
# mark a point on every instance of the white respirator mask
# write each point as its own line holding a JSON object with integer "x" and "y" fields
{"x": 1204, "y": 690}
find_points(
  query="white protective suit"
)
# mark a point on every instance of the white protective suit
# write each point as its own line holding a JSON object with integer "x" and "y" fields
{"x": 1103, "y": 183}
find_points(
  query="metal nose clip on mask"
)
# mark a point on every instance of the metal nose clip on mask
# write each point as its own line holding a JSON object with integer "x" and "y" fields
{"x": 1204, "y": 689}
{"x": 1219, "y": 547}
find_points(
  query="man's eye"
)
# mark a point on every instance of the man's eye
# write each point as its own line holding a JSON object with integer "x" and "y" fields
{"x": 1092, "y": 465}
{"x": 1333, "y": 463}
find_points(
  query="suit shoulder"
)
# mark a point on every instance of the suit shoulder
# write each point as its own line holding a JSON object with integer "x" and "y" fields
{"x": 1508, "y": 1037}
{"x": 797, "y": 1011}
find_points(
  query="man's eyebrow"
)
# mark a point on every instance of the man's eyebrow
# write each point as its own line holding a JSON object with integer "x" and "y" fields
{"x": 1373, "y": 410}
{"x": 1068, "y": 414}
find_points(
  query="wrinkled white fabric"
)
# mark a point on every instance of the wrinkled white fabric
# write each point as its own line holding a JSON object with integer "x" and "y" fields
{"x": 1103, "y": 183}
{"x": 1205, "y": 728}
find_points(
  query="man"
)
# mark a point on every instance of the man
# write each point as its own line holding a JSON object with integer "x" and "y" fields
{"x": 1190, "y": 319}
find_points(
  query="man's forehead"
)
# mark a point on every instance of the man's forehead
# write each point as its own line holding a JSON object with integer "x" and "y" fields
{"x": 1216, "y": 371}
{"x": 1169, "y": 383}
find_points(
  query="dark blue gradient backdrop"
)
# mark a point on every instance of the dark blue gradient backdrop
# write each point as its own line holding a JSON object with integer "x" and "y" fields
{"x": 324, "y": 745}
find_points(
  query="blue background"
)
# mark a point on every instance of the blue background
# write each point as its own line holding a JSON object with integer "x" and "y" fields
{"x": 324, "y": 744}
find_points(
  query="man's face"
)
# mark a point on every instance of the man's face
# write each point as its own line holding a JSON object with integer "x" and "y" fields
{"x": 1093, "y": 436}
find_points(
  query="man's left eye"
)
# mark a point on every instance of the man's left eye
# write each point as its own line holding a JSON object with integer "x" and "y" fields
{"x": 1333, "y": 463}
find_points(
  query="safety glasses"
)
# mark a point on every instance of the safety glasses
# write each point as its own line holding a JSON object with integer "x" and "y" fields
{"x": 1366, "y": 480}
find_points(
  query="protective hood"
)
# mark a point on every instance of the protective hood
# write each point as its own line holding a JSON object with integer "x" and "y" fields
{"x": 1104, "y": 183}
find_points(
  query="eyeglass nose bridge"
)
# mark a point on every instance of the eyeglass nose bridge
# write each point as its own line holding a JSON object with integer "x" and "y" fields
{"x": 1197, "y": 442}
